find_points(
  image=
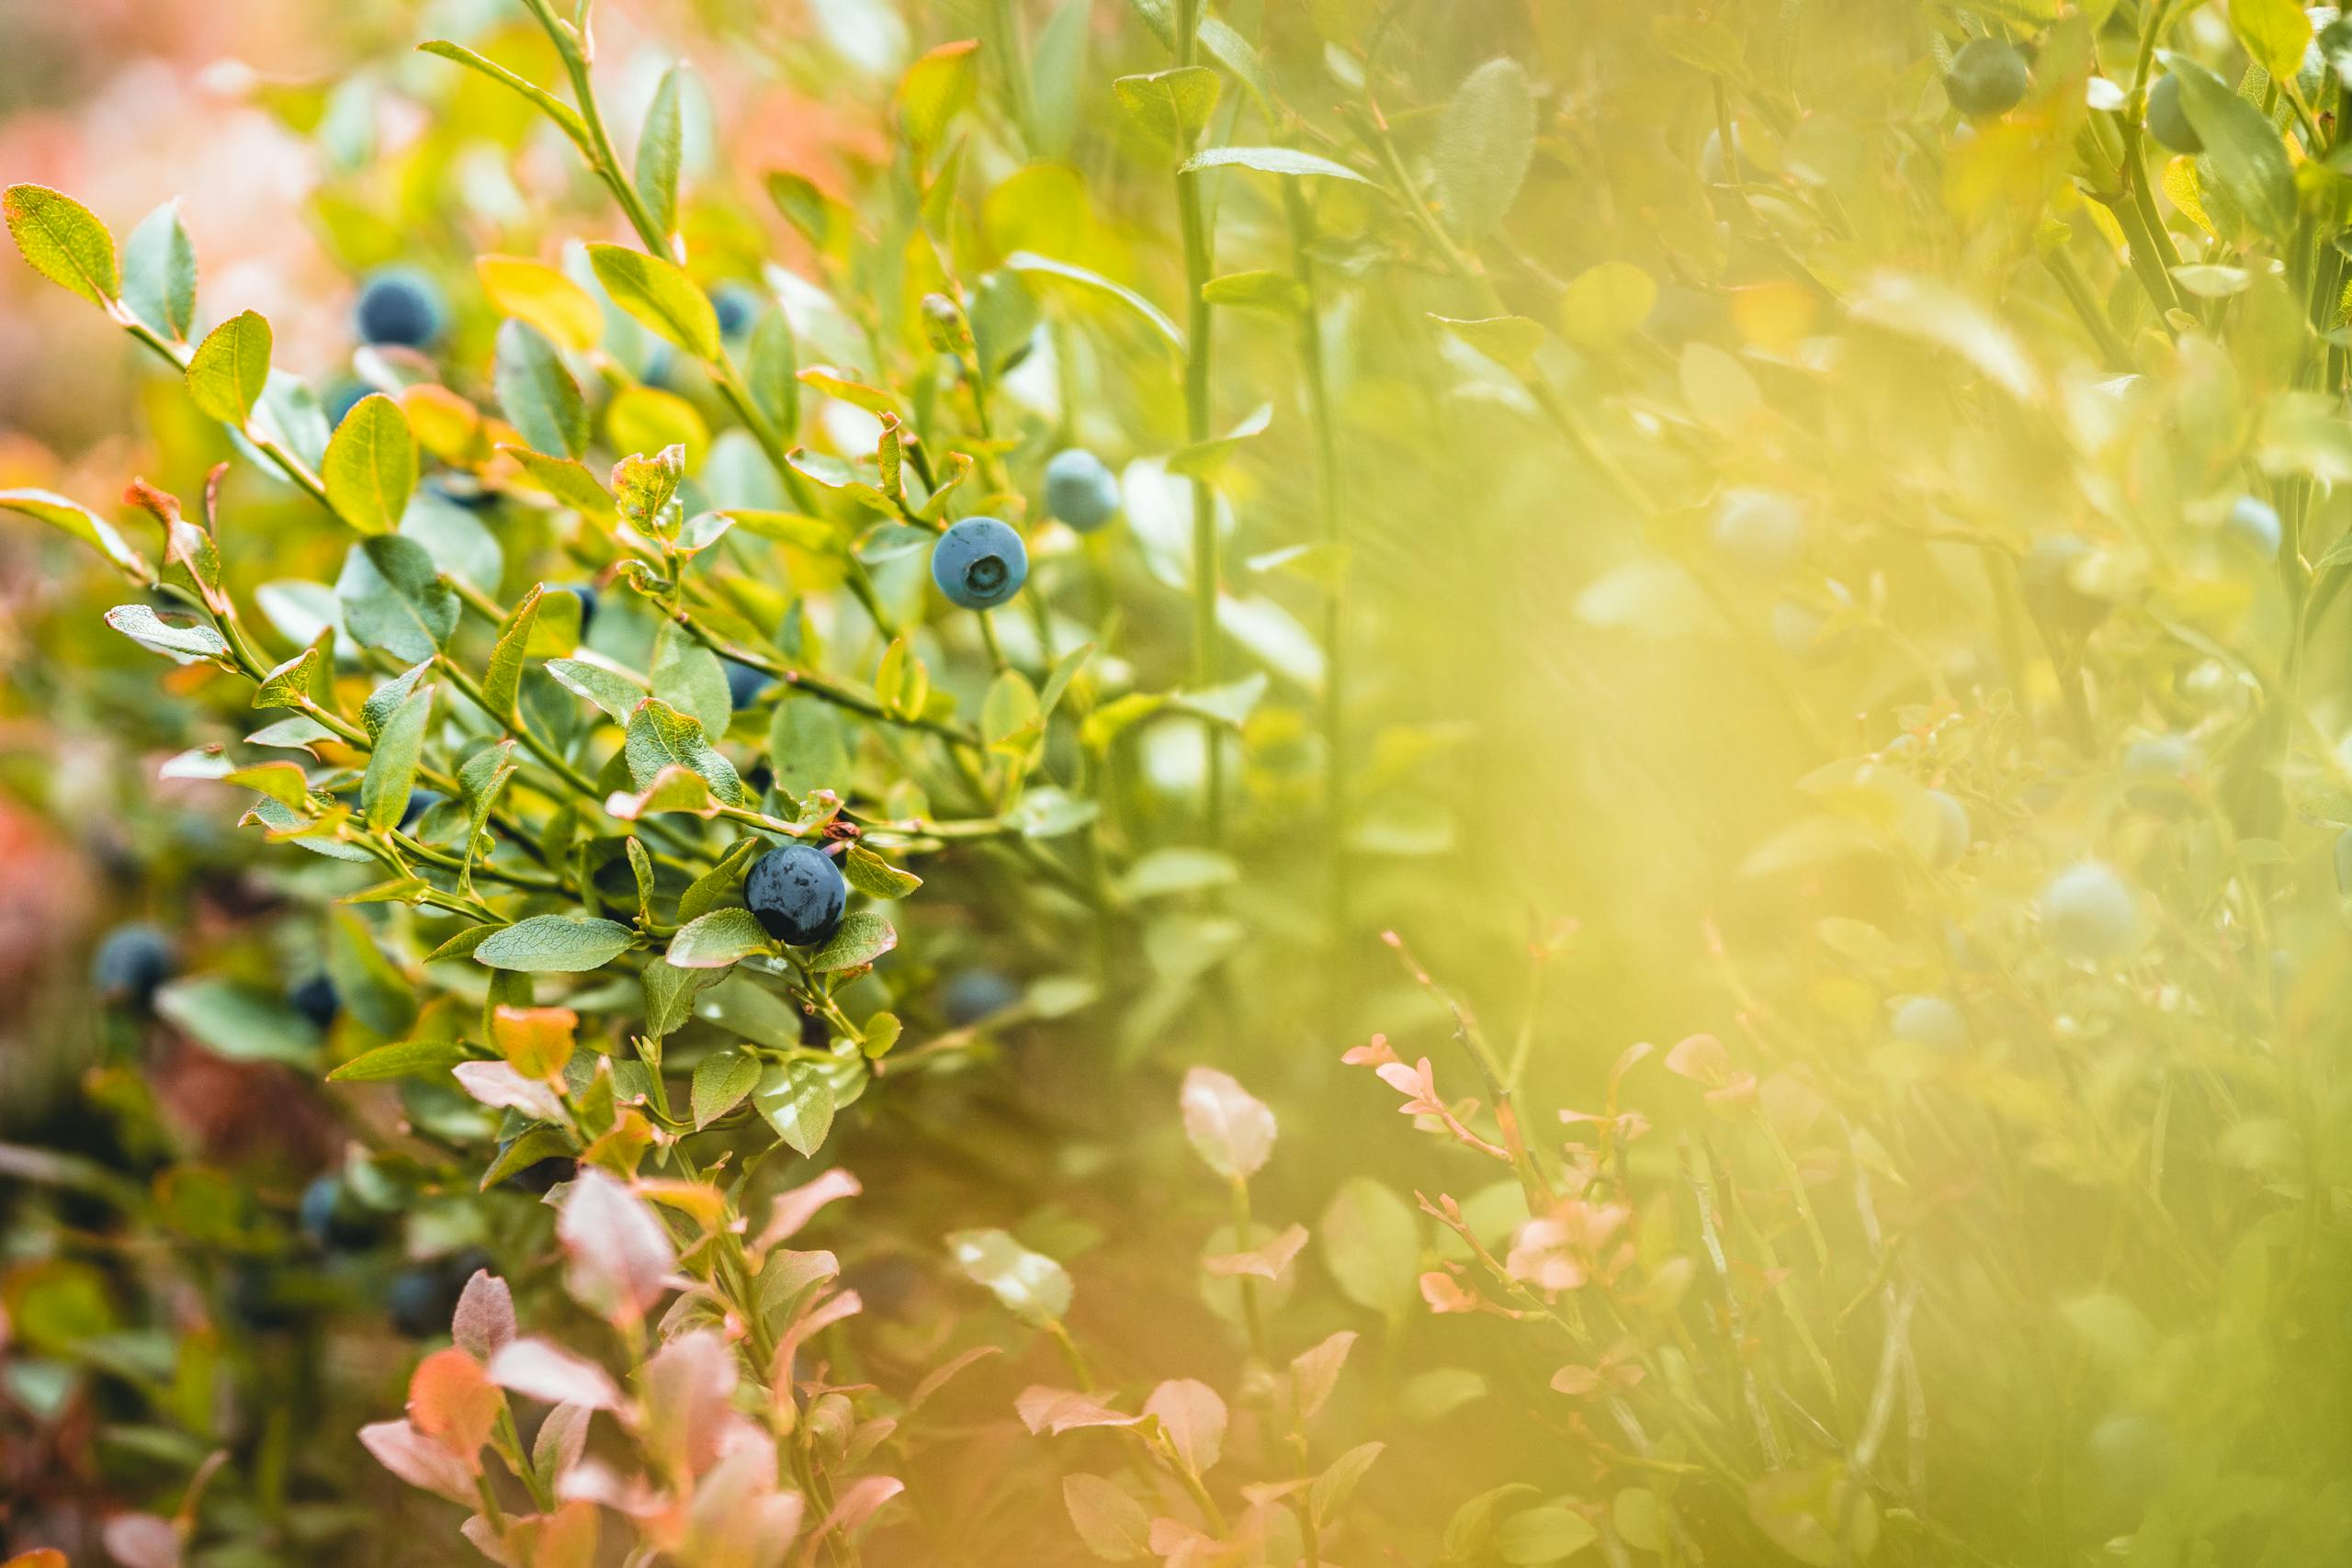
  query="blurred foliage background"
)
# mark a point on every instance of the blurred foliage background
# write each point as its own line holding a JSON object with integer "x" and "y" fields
{"x": 1797, "y": 462}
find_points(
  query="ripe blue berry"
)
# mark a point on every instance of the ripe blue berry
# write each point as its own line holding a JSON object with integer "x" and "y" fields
{"x": 1988, "y": 78}
{"x": 1930, "y": 1022}
{"x": 316, "y": 999}
{"x": 971, "y": 994}
{"x": 2167, "y": 121}
{"x": 131, "y": 964}
{"x": 1759, "y": 530}
{"x": 798, "y": 894}
{"x": 2089, "y": 911}
{"x": 979, "y": 563}
{"x": 1080, "y": 490}
{"x": 2254, "y": 524}
{"x": 398, "y": 306}
{"x": 745, "y": 686}
{"x": 334, "y": 1218}
{"x": 738, "y": 306}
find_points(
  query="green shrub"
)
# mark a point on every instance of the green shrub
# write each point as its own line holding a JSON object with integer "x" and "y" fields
{"x": 1814, "y": 501}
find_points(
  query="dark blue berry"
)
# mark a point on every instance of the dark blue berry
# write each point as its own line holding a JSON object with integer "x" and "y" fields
{"x": 798, "y": 894}
{"x": 979, "y": 563}
{"x": 423, "y": 1296}
{"x": 132, "y": 963}
{"x": 315, "y": 998}
{"x": 745, "y": 686}
{"x": 971, "y": 994}
{"x": 399, "y": 307}
{"x": 738, "y": 305}
{"x": 1080, "y": 490}
{"x": 333, "y": 1219}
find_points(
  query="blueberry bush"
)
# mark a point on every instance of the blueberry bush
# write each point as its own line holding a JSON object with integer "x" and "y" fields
{"x": 743, "y": 862}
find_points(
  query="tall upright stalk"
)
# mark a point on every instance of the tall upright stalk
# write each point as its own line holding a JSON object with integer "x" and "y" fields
{"x": 1331, "y": 513}
{"x": 1199, "y": 350}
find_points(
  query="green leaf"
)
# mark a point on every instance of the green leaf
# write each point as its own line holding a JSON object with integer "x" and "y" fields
{"x": 669, "y": 995}
{"x": 547, "y": 104}
{"x": 237, "y": 1021}
{"x": 877, "y": 877}
{"x": 1486, "y": 136}
{"x": 608, "y": 689}
{"x": 797, "y": 1100}
{"x": 659, "y": 144}
{"x": 771, "y": 370}
{"x": 503, "y": 679}
{"x": 643, "y": 487}
{"x": 2244, "y": 155}
{"x": 936, "y": 89}
{"x": 716, "y": 939}
{"x": 1032, "y": 1286}
{"x": 385, "y": 700}
{"x": 394, "y": 598}
{"x": 1171, "y": 106}
{"x": 1260, "y": 290}
{"x": 1547, "y": 1534}
{"x": 73, "y": 517}
{"x": 401, "y": 1059}
{"x": 660, "y": 736}
{"x": 1030, "y": 264}
{"x": 556, "y": 944}
{"x": 370, "y": 466}
{"x": 864, "y": 937}
{"x": 384, "y": 789}
{"x": 63, "y": 241}
{"x": 689, "y": 677}
{"x": 159, "y": 273}
{"x": 565, "y": 479}
{"x": 1373, "y": 1246}
{"x": 806, "y": 748}
{"x": 658, "y": 293}
{"x": 538, "y": 395}
{"x": 530, "y": 1146}
{"x": 2275, "y": 32}
{"x": 723, "y": 1081}
{"x": 1508, "y": 341}
{"x": 1271, "y": 161}
{"x": 229, "y": 367}
{"x": 182, "y": 644}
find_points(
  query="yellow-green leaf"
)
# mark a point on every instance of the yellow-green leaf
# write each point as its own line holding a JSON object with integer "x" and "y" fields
{"x": 370, "y": 466}
{"x": 229, "y": 367}
{"x": 63, "y": 241}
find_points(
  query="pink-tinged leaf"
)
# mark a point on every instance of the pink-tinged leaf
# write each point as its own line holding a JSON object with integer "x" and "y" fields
{"x": 807, "y": 1325}
{"x": 563, "y": 1438}
{"x": 484, "y": 1321}
{"x": 1372, "y": 1053}
{"x": 794, "y": 1209}
{"x": 1179, "y": 1545}
{"x": 1193, "y": 1417}
{"x": 1339, "y": 1478}
{"x": 859, "y": 1502}
{"x": 688, "y": 1387}
{"x": 618, "y": 1255}
{"x": 938, "y": 1377}
{"x": 1577, "y": 1381}
{"x": 553, "y": 1375}
{"x": 565, "y": 1538}
{"x": 1114, "y": 1524}
{"x": 1059, "y": 1410}
{"x": 1232, "y": 1131}
{"x": 142, "y": 1541}
{"x": 738, "y": 1516}
{"x": 420, "y": 1461}
{"x": 1313, "y": 1373}
{"x": 1701, "y": 1057}
{"x": 1265, "y": 1261}
{"x": 492, "y": 1542}
{"x": 500, "y": 1087}
{"x": 1258, "y": 1493}
{"x": 1443, "y": 1294}
{"x": 452, "y": 1399}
